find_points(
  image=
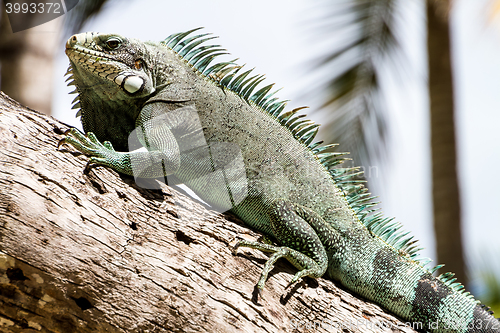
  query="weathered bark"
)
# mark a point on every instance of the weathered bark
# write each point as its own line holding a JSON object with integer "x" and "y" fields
{"x": 445, "y": 189}
{"x": 93, "y": 252}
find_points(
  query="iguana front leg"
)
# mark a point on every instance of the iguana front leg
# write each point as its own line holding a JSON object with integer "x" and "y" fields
{"x": 145, "y": 164}
{"x": 303, "y": 235}
{"x": 155, "y": 126}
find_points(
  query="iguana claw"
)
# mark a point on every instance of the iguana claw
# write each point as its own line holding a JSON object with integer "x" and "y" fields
{"x": 100, "y": 153}
{"x": 63, "y": 140}
{"x": 87, "y": 144}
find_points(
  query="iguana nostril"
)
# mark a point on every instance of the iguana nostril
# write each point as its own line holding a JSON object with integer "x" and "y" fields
{"x": 71, "y": 41}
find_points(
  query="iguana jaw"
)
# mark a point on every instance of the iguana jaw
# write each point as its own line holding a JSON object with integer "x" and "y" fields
{"x": 125, "y": 68}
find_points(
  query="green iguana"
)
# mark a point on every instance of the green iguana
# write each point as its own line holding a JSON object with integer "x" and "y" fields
{"x": 207, "y": 125}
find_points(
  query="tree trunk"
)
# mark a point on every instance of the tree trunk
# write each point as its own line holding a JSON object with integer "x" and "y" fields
{"x": 445, "y": 191}
{"x": 93, "y": 252}
{"x": 26, "y": 62}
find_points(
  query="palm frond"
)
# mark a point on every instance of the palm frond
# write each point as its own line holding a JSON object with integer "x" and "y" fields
{"x": 354, "y": 107}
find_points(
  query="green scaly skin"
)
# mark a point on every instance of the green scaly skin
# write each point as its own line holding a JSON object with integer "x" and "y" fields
{"x": 205, "y": 125}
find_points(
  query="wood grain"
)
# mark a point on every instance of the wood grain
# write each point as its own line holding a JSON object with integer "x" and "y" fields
{"x": 94, "y": 252}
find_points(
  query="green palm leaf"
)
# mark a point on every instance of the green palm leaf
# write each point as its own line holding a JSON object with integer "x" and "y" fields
{"x": 354, "y": 106}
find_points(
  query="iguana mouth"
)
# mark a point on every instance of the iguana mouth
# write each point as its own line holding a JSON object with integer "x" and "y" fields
{"x": 95, "y": 61}
{"x": 77, "y": 53}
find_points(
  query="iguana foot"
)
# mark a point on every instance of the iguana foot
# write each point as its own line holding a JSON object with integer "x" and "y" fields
{"x": 298, "y": 259}
{"x": 303, "y": 234}
{"x": 101, "y": 153}
{"x": 87, "y": 144}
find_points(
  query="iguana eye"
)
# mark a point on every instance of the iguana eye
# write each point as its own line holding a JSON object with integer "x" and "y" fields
{"x": 113, "y": 43}
{"x": 138, "y": 64}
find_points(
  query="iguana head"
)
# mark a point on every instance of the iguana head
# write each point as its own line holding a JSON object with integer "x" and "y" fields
{"x": 114, "y": 76}
{"x": 122, "y": 62}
